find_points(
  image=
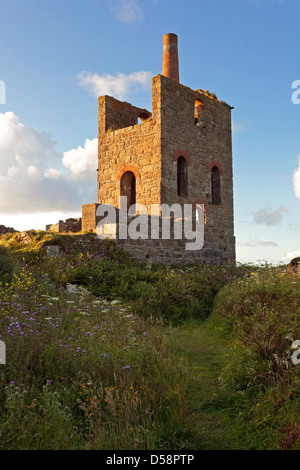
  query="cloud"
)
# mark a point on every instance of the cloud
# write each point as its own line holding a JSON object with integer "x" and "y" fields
{"x": 34, "y": 177}
{"x": 293, "y": 227}
{"x": 119, "y": 86}
{"x": 296, "y": 180}
{"x": 255, "y": 243}
{"x": 269, "y": 217}
{"x": 52, "y": 173}
{"x": 82, "y": 162}
{"x": 289, "y": 256}
{"x": 236, "y": 127}
{"x": 127, "y": 11}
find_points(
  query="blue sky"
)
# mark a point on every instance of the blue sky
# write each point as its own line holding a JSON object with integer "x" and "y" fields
{"x": 56, "y": 56}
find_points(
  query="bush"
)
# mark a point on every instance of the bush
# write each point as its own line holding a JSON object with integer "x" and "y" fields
{"x": 6, "y": 265}
{"x": 264, "y": 312}
{"x": 171, "y": 293}
{"x": 295, "y": 261}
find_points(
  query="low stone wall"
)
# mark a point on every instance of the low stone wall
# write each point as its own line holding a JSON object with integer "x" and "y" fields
{"x": 174, "y": 252}
{"x": 69, "y": 225}
{"x": 216, "y": 249}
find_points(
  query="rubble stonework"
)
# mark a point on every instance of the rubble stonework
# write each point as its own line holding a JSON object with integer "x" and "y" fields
{"x": 4, "y": 230}
{"x": 69, "y": 225}
{"x": 189, "y": 128}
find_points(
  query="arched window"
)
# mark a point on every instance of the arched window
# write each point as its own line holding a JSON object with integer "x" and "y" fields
{"x": 127, "y": 187}
{"x": 215, "y": 185}
{"x": 182, "y": 177}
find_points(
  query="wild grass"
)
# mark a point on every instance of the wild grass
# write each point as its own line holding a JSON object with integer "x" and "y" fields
{"x": 82, "y": 372}
{"x": 144, "y": 356}
{"x": 263, "y": 311}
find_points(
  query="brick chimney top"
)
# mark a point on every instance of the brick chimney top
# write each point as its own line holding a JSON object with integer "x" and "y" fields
{"x": 170, "y": 57}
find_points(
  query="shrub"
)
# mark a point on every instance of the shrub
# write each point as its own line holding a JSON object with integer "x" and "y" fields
{"x": 264, "y": 311}
{"x": 6, "y": 265}
{"x": 295, "y": 261}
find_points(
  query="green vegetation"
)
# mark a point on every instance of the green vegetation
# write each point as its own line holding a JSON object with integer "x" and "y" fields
{"x": 144, "y": 356}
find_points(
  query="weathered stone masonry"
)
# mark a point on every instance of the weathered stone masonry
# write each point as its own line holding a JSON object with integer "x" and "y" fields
{"x": 179, "y": 153}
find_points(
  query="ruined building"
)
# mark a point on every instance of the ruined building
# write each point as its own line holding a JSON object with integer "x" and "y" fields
{"x": 180, "y": 153}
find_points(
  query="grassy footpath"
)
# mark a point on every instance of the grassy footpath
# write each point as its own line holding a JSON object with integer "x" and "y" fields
{"x": 211, "y": 419}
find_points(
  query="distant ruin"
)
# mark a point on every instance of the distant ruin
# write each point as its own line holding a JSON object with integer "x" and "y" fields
{"x": 69, "y": 225}
{"x": 4, "y": 230}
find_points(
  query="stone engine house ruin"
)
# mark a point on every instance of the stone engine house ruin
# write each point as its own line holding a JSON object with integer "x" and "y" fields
{"x": 180, "y": 153}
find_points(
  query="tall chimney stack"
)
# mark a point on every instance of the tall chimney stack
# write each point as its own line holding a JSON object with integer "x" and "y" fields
{"x": 170, "y": 57}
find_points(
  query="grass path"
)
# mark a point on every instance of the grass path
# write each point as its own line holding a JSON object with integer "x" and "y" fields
{"x": 203, "y": 347}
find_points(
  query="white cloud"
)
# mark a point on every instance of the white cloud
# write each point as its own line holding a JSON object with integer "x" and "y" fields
{"x": 269, "y": 217}
{"x": 82, "y": 161}
{"x": 254, "y": 242}
{"x": 127, "y": 11}
{"x": 33, "y": 171}
{"x": 236, "y": 127}
{"x": 293, "y": 227}
{"x": 296, "y": 180}
{"x": 34, "y": 177}
{"x": 52, "y": 173}
{"x": 289, "y": 256}
{"x": 118, "y": 86}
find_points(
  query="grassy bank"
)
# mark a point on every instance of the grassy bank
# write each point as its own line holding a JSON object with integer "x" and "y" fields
{"x": 144, "y": 356}
{"x": 82, "y": 372}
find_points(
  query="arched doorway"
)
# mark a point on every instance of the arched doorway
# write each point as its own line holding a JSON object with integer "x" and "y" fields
{"x": 127, "y": 187}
